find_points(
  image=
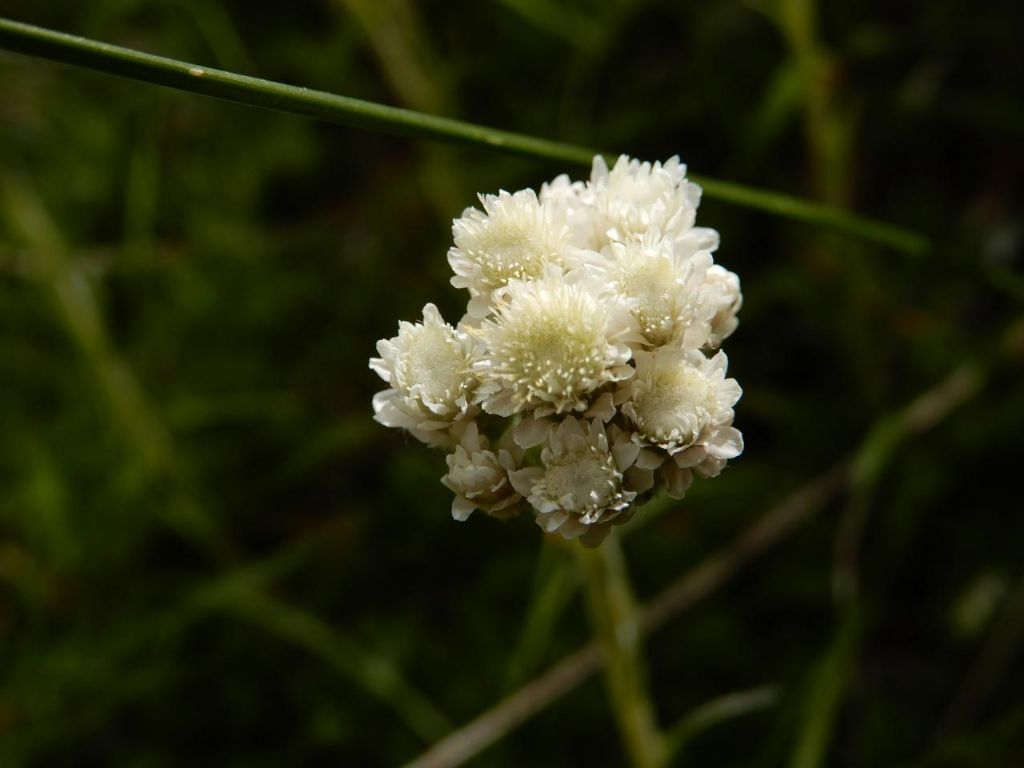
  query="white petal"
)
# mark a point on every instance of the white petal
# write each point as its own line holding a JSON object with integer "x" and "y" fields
{"x": 462, "y": 508}
{"x": 648, "y": 458}
{"x": 572, "y": 528}
{"x": 677, "y": 481}
{"x": 625, "y": 454}
{"x": 638, "y": 480}
{"x": 530, "y": 432}
{"x": 552, "y": 521}
{"x": 523, "y": 480}
{"x": 691, "y": 457}
{"x": 709, "y": 468}
{"x": 724, "y": 443}
{"x": 382, "y": 369}
{"x": 603, "y": 408}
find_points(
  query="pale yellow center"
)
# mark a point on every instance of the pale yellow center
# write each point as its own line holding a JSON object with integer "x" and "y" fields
{"x": 673, "y": 404}
{"x": 556, "y": 346}
{"x": 508, "y": 250}
{"x": 589, "y": 477}
{"x": 436, "y": 362}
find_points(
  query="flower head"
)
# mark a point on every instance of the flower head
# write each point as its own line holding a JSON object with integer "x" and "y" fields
{"x": 515, "y": 237}
{"x": 633, "y": 198}
{"x": 680, "y": 397}
{"x": 721, "y": 295}
{"x": 428, "y": 366}
{"x": 579, "y": 487}
{"x": 552, "y": 342}
{"x": 662, "y": 289}
{"x": 479, "y": 477}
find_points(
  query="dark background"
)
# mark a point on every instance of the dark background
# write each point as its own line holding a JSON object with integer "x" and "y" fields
{"x": 211, "y": 555}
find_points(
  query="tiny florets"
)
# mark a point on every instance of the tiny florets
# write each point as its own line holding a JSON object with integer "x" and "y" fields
{"x": 429, "y": 368}
{"x": 515, "y": 237}
{"x": 479, "y": 477}
{"x": 551, "y": 343}
{"x": 579, "y": 487}
{"x": 634, "y": 197}
{"x": 664, "y": 290}
{"x": 585, "y": 353}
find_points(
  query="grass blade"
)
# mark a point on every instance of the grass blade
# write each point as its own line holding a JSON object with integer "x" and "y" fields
{"x": 124, "y": 62}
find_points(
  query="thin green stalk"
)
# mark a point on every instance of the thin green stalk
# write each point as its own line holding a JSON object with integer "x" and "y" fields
{"x": 614, "y": 620}
{"x": 124, "y": 62}
{"x": 826, "y": 692}
{"x": 256, "y": 92}
{"x": 813, "y": 213}
{"x": 696, "y": 584}
{"x": 717, "y": 711}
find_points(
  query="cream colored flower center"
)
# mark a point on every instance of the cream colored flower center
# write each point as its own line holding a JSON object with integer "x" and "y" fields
{"x": 555, "y": 345}
{"x": 505, "y": 251}
{"x": 673, "y": 404}
{"x": 435, "y": 362}
{"x": 588, "y": 481}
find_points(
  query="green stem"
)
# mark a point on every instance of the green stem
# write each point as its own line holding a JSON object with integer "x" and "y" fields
{"x": 614, "y": 620}
{"x": 716, "y": 711}
{"x": 256, "y": 92}
{"x": 825, "y": 216}
{"x": 124, "y": 62}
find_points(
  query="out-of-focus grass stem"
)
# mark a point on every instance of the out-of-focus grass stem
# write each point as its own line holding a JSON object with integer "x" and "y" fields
{"x": 716, "y": 711}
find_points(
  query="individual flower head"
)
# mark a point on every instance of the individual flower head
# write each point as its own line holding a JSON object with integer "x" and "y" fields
{"x": 634, "y": 197}
{"x": 578, "y": 491}
{"x": 428, "y": 366}
{"x": 514, "y": 237}
{"x": 721, "y": 295}
{"x": 662, "y": 288}
{"x": 681, "y": 403}
{"x": 479, "y": 477}
{"x": 551, "y": 344}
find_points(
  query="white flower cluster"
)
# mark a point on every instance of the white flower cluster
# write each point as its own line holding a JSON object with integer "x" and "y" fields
{"x": 585, "y": 374}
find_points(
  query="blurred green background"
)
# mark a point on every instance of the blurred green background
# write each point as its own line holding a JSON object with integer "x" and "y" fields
{"x": 211, "y": 555}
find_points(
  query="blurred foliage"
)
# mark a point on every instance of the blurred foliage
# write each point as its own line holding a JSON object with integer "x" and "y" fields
{"x": 209, "y": 553}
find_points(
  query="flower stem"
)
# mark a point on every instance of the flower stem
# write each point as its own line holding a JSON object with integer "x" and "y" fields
{"x": 614, "y": 620}
{"x": 124, "y": 62}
